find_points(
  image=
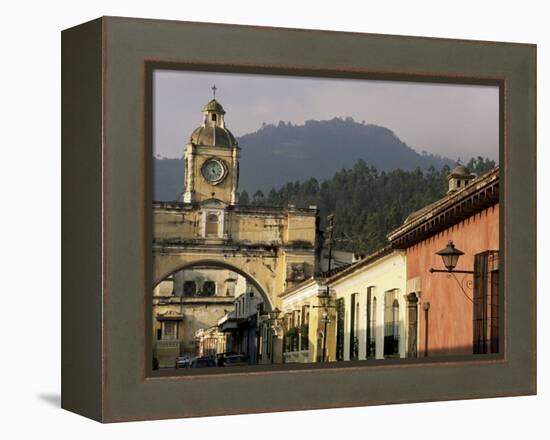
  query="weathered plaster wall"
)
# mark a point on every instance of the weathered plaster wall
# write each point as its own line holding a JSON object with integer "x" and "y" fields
{"x": 199, "y": 313}
{"x": 262, "y": 243}
{"x": 307, "y": 296}
{"x": 450, "y": 328}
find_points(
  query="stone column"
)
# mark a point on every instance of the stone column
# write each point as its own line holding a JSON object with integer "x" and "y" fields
{"x": 189, "y": 159}
{"x": 235, "y": 176}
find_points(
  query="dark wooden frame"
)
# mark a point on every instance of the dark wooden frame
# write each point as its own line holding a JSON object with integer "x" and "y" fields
{"x": 106, "y": 217}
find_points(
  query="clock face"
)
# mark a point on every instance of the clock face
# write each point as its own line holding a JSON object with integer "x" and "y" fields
{"x": 213, "y": 170}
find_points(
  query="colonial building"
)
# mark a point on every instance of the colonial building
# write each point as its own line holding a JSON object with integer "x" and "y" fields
{"x": 241, "y": 326}
{"x": 209, "y": 342}
{"x": 303, "y": 322}
{"x": 391, "y": 304}
{"x": 273, "y": 248}
{"x": 188, "y": 301}
{"x": 371, "y": 307}
{"x": 458, "y": 310}
{"x": 364, "y": 315}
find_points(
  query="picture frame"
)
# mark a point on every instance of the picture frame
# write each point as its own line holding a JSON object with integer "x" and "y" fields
{"x": 106, "y": 226}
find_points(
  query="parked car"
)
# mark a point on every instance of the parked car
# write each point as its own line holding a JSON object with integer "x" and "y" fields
{"x": 220, "y": 357}
{"x": 236, "y": 360}
{"x": 183, "y": 361}
{"x": 203, "y": 362}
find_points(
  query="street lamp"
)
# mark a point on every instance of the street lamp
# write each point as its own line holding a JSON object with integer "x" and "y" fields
{"x": 325, "y": 318}
{"x": 274, "y": 327}
{"x": 450, "y": 255}
{"x": 324, "y": 298}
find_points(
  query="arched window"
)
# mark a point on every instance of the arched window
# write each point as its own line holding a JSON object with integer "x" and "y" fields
{"x": 189, "y": 288}
{"x": 391, "y": 324}
{"x": 395, "y": 310}
{"x": 353, "y": 336}
{"x": 212, "y": 227}
{"x": 370, "y": 324}
{"x": 340, "y": 328}
{"x": 304, "y": 329}
{"x": 209, "y": 288}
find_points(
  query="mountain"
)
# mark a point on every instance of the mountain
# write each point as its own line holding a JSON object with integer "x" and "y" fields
{"x": 167, "y": 178}
{"x": 276, "y": 154}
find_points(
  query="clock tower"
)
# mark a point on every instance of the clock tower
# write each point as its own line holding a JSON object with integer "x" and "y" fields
{"x": 212, "y": 160}
{"x": 206, "y": 232}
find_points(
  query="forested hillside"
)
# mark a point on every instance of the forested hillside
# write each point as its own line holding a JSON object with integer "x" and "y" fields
{"x": 367, "y": 203}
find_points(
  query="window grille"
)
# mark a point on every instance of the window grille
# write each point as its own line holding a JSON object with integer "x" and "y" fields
{"x": 391, "y": 324}
{"x": 189, "y": 288}
{"x": 209, "y": 288}
{"x": 486, "y": 304}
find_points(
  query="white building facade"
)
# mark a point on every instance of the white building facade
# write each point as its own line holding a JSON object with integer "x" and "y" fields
{"x": 371, "y": 308}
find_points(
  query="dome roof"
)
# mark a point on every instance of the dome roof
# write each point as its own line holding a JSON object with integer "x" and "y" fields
{"x": 214, "y": 106}
{"x": 213, "y": 136}
{"x": 460, "y": 171}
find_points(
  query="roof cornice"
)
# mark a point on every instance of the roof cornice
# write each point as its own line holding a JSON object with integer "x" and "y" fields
{"x": 480, "y": 194}
{"x": 372, "y": 258}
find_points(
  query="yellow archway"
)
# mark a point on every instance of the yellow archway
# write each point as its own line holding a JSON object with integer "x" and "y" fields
{"x": 166, "y": 265}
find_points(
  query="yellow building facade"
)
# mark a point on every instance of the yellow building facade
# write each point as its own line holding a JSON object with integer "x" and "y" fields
{"x": 366, "y": 312}
{"x": 273, "y": 248}
{"x": 303, "y": 323}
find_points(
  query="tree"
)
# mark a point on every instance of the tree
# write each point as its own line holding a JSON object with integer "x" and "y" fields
{"x": 480, "y": 165}
{"x": 243, "y": 198}
{"x": 258, "y": 198}
{"x": 367, "y": 203}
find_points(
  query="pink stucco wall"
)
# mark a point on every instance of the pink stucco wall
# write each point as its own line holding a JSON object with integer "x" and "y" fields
{"x": 450, "y": 329}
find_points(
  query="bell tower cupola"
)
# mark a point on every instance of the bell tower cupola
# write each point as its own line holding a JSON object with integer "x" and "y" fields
{"x": 458, "y": 178}
{"x": 212, "y": 159}
{"x": 213, "y": 113}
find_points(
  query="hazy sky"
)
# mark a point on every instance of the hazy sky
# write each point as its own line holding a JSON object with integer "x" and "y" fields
{"x": 450, "y": 120}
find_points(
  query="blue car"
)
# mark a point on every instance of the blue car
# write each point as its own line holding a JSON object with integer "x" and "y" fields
{"x": 202, "y": 362}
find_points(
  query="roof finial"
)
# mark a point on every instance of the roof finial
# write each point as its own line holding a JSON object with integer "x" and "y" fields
{"x": 214, "y": 88}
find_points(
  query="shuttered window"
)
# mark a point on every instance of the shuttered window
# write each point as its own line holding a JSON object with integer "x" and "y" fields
{"x": 486, "y": 302}
{"x": 391, "y": 324}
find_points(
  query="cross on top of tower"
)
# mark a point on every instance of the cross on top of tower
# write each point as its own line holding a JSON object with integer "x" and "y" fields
{"x": 214, "y": 88}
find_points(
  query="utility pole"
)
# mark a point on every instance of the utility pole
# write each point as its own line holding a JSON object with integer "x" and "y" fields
{"x": 325, "y": 298}
{"x": 330, "y": 230}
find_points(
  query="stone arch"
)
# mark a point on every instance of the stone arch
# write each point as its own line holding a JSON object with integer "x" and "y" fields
{"x": 221, "y": 265}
